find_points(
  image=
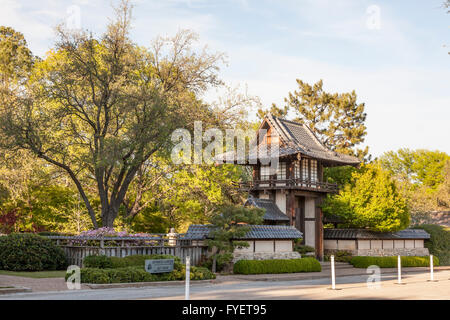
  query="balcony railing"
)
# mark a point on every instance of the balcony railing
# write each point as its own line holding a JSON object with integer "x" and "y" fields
{"x": 297, "y": 184}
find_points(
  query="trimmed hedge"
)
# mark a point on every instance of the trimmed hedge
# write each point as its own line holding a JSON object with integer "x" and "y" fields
{"x": 102, "y": 269}
{"x": 391, "y": 262}
{"x": 30, "y": 252}
{"x": 277, "y": 266}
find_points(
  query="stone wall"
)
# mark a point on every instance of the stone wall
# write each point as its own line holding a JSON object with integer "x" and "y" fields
{"x": 265, "y": 255}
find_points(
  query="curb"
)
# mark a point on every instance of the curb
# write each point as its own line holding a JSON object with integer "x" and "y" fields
{"x": 14, "y": 290}
{"x": 147, "y": 284}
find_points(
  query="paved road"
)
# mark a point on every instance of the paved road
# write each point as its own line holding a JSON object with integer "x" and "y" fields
{"x": 352, "y": 287}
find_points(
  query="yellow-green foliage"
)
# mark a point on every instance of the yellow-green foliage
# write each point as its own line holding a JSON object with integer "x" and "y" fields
{"x": 391, "y": 262}
{"x": 371, "y": 200}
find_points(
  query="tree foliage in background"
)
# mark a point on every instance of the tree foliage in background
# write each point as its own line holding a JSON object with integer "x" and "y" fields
{"x": 229, "y": 224}
{"x": 99, "y": 108}
{"x": 337, "y": 119}
{"x": 423, "y": 177}
{"x": 371, "y": 200}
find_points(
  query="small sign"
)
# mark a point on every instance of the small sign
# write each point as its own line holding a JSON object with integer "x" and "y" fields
{"x": 159, "y": 265}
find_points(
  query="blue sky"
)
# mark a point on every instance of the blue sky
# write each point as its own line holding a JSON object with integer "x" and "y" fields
{"x": 392, "y": 53}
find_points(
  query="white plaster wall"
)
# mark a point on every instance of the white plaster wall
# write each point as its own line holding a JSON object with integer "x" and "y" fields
{"x": 346, "y": 245}
{"x": 263, "y": 246}
{"x": 376, "y": 244}
{"x": 398, "y": 244}
{"x": 388, "y": 244}
{"x": 283, "y": 246}
{"x": 330, "y": 244}
{"x": 245, "y": 250}
{"x": 409, "y": 244}
{"x": 310, "y": 208}
{"x": 418, "y": 243}
{"x": 363, "y": 244}
{"x": 280, "y": 199}
{"x": 310, "y": 233}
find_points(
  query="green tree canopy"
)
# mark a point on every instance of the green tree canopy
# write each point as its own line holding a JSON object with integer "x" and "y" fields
{"x": 99, "y": 107}
{"x": 336, "y": 118}
{"x": 419, "y": 167}
{"x": 371, "y": 200}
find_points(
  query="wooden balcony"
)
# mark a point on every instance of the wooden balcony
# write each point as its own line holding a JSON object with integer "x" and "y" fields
{"x": 297, "y": 184}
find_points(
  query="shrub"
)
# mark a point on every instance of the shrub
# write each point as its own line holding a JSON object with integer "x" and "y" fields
{"x": 138, "y": 274}
{"x": 302, "y": 249}
{"x": 391, "y": 262}
{"x": 30, "y": 252}
{"x": 439, "y": 243}
{"x": 339, "y": 256}
{"x": 100, "y": 262}
{"x": 277, "y": 266}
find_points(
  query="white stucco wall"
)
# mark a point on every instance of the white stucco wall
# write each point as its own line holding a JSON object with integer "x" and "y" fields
{"x": 409, "y": 244}
{"x": 310, "y": 208}
{"x": 280, "y": 200}
{"x": 363, "y": 244}
{"x": 248, "y": 249}
{"x": 388, "y": 244}
{"x": 376, "y": 244}
{"x": 264, "y": 246}
{"x": 330, "y": 244}
{"x": 346, "y": 244}
{"x": 310, "y": 233}
{"x": 418, "y": 243}
{"x": 283, "y": 246}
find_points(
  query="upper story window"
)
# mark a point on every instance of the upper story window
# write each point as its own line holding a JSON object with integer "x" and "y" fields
{"x": 297, "y": 170}
{"x": 281, "y": 171}
{"x": 265, "y": 172}
{"x": 314, "y": 176}
{"x": 305, "y": 171}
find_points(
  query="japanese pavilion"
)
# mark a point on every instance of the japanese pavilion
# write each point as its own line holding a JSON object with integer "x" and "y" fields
{"x": 292, "y": 193}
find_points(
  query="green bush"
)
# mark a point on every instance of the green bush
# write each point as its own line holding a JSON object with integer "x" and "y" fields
{"x": 391, "y": 262}
{"x": 277, "y": 266}
{"x": 439, "y": 243}
{"x": 138, "y": 274}
{"x": 302, "y": 249}
{"x": 102, "y": 269}
{"x": 30, "y": 252}
{"x": 339, "y": 256}
{"x": 101, "y": 262}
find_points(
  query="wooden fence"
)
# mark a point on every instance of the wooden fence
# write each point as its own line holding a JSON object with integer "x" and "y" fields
{"x": 77, "y": 248}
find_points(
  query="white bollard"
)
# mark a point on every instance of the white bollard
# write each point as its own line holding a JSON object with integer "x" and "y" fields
{"x": 431, "y": 269}
{"x": 399, "y": 268}
{"x": 333, "y": 276}
{"x": 188, "y": 277}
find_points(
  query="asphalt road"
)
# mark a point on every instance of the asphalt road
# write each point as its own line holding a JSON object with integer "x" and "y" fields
{"x": 351, "y": 287}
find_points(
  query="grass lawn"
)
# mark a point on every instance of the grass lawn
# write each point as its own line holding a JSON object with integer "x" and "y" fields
{"x": 35, "y": 274}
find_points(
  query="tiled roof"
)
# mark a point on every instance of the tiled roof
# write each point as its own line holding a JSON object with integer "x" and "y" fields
{"x": 201, "y": 232}
{"x": 350, "y": 234}
{"x": 295, "y": 138}
{"x": 300, "y": 138}
{"x": 273, "y": 213}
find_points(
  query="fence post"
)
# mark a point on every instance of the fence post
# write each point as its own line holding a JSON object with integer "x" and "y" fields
{"x": 333, "y": 274}
{"x": 188, "y": 277}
